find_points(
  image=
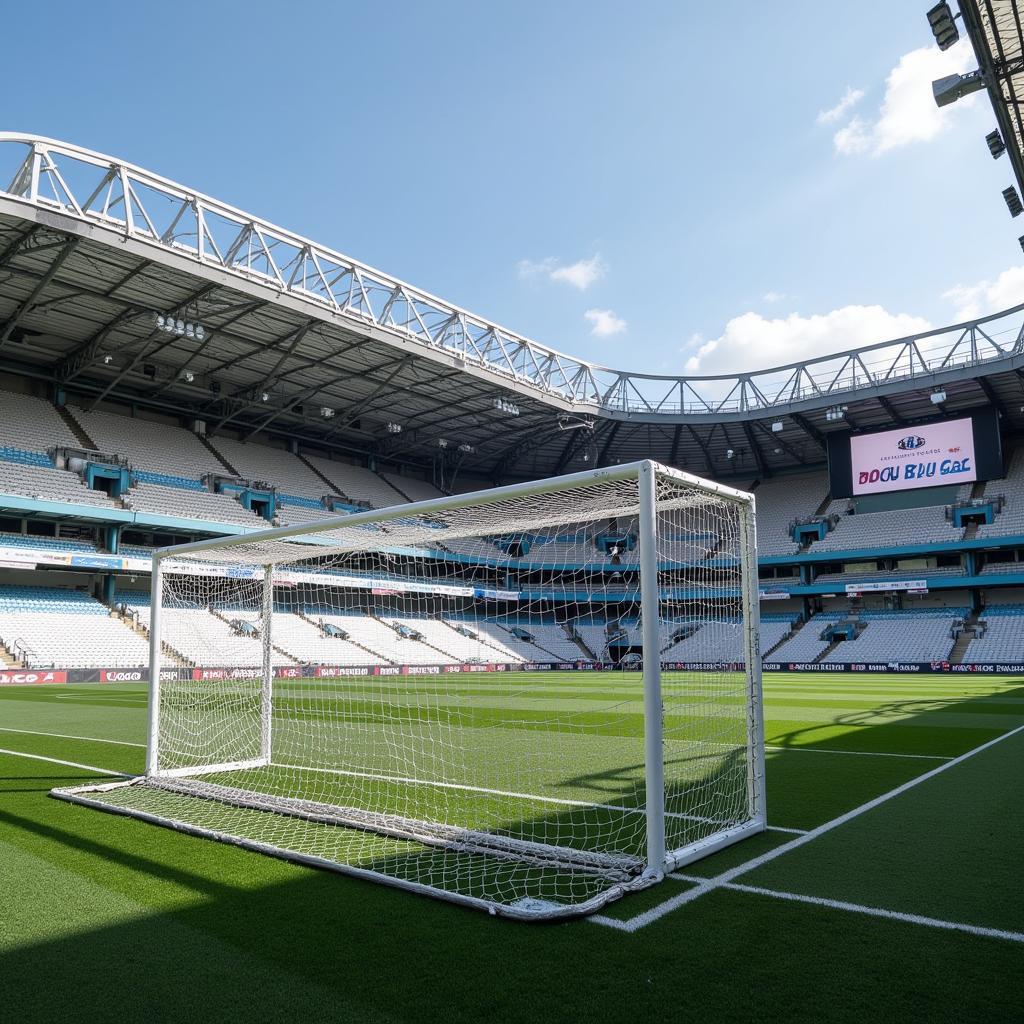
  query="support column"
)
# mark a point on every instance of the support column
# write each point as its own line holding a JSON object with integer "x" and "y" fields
{"x": 267, "y": 687}
{"x": 156, "y": 602}
{"x": 654, "y": 751}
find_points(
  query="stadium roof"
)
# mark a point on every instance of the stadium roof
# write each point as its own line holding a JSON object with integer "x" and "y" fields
{"x": 996, "y": 33}
{"x": 93, "y": 249}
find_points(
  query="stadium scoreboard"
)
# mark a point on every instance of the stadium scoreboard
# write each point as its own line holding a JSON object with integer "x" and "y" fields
{"x": 944, "y": 452}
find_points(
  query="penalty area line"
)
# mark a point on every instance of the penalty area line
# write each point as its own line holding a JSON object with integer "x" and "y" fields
{"x": 68, "y": 736}
{"x": 66, "y": 764}
{"x": 720, "y": 881}
{"x": 860, "y": 908}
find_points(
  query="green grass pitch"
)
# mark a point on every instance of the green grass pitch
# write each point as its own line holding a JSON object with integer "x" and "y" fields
{"x": 103, "y": 917}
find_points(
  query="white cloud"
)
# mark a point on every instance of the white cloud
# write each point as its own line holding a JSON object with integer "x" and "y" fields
{"x": 581, "y": 274}
{"x": 752, "y": 342}
{"x": 908, "y": 112}
{"x": 604, "y": 323}
{"x": 772, "y": 296}
{"x": 849, "y": 99}
{"x": 974, "y": 300}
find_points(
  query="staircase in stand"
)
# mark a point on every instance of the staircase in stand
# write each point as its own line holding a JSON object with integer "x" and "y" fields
{"x": 217, "y": 455}
{"x": 579, "y": 642}
{"x": 7, "y": 659}
{"x": 277, "y": 650}
{"x": 76, "y": 428}
{"x": 789, "y": 636}
{"x": 828, "y": 650}
{"x": 959, "y": 651}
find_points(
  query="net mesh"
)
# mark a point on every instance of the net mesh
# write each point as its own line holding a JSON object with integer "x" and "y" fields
{"x": 451, "y": 699}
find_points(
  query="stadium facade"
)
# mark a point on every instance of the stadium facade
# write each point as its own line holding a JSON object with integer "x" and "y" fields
{"x": 173, "y": 368}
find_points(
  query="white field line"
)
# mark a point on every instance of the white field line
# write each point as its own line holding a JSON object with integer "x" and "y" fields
{"x": 564, "y": 801}
{"x": 857, "y": 753}
{"x": 718, "y": 881}
{"x": 860, "y": 908}
{"x": 67, "y": 764}
{"x": 67, "y": 736}
{"x": 92, "y": 696}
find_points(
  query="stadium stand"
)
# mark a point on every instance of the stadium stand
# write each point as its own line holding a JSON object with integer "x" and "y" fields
{"x": 918, "y": 526}
{"x": 782, "y": 499}
{"x": 1010, "y": 521}
{"x": 193, "y": 504}
{"x": 413, "y": 489}
{"x": 287, "y": 472}
{"x": 49, "y": 627}
{"x": 154, "y": 447}
{"x": 203, "y": 637}
{"x": 806, "y": 645}
{"x": 48, "y": 484}
{"x": 1003, "y": 637}
{"x": 32, "y": 424}
{"x": 914, "y": 637}
{"x": 357, "y": 482}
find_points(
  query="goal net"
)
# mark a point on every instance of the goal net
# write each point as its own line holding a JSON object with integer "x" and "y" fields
{"x": 531, "y": 699}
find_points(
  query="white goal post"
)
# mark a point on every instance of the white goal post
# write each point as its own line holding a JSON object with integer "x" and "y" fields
{"x": 443, "y": 695}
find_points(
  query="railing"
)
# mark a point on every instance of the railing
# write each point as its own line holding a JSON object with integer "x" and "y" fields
{"x": 132, "y": 203}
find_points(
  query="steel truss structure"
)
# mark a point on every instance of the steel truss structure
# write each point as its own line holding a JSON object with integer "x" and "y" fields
{"x": 129, "y": 201}
{"x": 92, "y": 248}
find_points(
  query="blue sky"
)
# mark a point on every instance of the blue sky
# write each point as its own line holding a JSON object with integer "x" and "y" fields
{"x": 657, "y": 186}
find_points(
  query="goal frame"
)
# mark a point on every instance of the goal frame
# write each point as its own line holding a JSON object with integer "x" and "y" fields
{"x": 659, "y": 860}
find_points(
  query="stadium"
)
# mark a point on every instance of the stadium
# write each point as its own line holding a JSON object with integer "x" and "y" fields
{"x": 476, "y": 559}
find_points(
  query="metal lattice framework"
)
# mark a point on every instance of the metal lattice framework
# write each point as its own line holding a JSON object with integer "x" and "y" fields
{"x": 110, "y": 196}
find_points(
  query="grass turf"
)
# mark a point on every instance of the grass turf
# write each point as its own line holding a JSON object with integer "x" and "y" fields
{"x": 108, "y": 917}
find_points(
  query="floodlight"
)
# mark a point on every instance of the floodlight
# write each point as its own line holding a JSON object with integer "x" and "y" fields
{"x": 954, "y": 87}
{"x": 326, "y": 412}
{"x": 777, "y": 427}
{"x": 265, "y": 396}
{"x": 729, "y": 453}
{"x": 394, "y": 428}
{"x": 187, "y": 376}
{"x": 161, "y": 321}
{"x": 938, "y": 396}
{"x": 190, "y": 330}
{"x": 442, "y": 442}
{"x": 466, "y": 448}
{"x": 778, "y": 451}
{"x": 107, "y": 360}
{"x": 996, "y": 146}
{"x": 200, "y": 332}
{"x": 943, "y": 25}
{"x": 1013, "y": 203}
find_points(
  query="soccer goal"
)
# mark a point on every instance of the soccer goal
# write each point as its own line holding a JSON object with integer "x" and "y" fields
{"x": 530, "y": 700}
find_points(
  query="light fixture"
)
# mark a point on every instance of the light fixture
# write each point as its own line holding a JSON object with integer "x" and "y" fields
{"x": 729, "y": 453}
{"x": 394, "y": 428}
{"x": 938, "y": 396}
{"x": 184, "y": 328}
{"x": 264, "y": 396}
{"x": 836, "y": 412}
{"x": 466, "y": 448}
{"x": 326, "y": 412}
{"x": 943, "y": 25}
{"x": 509, "y": 408}
{"x": 442, "y": 442}
{"x": 954, "y": 87}
{"x": 777, "y": 427}
{"x": 107, "y": 360}
{"x": 995, "y": 143}
{"x": 778, "y": 451}
{"x": 187, "y": 376}
{"x": 1013, "y": 203}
